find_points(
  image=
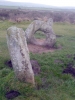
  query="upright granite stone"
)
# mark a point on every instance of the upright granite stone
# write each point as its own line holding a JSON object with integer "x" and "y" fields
{"x": 19, "y": 53}
{"x": 46, "y": 27}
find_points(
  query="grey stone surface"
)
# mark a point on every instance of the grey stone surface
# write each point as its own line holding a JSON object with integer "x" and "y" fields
{"x": 19, "y": 54}
{"x": 46, "y": 27}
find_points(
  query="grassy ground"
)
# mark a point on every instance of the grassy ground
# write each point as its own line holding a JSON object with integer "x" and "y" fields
{"x": 51, "y": 84}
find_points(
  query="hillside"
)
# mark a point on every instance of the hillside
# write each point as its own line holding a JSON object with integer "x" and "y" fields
{"x": 23, "y": 4}
{"x": 27, "y": 4}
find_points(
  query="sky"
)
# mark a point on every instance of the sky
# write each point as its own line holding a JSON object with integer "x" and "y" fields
{"x": 59, "y": 3}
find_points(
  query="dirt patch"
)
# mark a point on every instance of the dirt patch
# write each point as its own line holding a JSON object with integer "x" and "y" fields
{"x": 70, "y": 66}
{"x": 8, "y": 63}
{"x": 12, "y": 94}
{"x": 41, "y": 49}
{"x": 69, "y": 70}
{"x": 34, "y": 63}
{"x": 57, "y": 61}
{"x": 74, "y": 57}
{"x": 35, "y": 67}
{"x": 69, "y": 55}
{"x": 43, "y": 84}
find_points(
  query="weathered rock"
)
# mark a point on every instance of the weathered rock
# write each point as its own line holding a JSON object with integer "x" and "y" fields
{"x": 19, "y": 53}
{"x": 46, "y": 27}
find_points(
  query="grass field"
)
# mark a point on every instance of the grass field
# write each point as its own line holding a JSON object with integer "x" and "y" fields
{"x": 51, "y": 84}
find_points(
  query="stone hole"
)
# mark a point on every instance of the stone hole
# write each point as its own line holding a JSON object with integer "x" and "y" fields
{"x": 40, "y": 37}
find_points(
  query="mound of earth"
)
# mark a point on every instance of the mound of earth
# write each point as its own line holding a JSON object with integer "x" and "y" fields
{"x": 41, "y": 49}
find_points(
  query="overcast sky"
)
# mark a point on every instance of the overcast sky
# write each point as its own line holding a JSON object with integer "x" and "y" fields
{"x": 69, "y": 3}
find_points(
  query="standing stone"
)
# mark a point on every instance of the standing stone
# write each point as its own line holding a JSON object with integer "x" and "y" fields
{"x": 19, "y": 54}
{"x": 46, "y": 27}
